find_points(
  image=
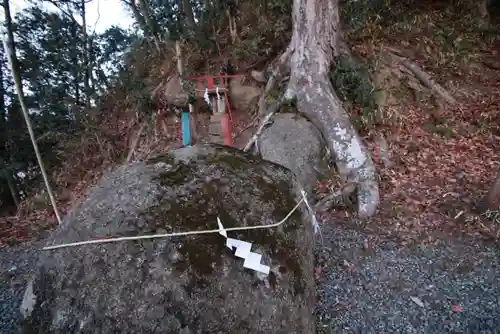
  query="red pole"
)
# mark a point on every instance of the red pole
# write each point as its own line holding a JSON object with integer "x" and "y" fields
{"x": 226, "y": 129}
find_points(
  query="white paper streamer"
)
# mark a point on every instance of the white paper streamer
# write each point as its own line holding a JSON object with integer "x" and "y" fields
{"x": 311, "y": 212}
{"x": 217, "y": 92}
{"x": 252, "y": 260}
{"x": 206, "y": 97}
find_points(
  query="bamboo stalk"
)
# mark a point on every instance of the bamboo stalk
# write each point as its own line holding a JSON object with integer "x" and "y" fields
{"x": 17, "y": 80}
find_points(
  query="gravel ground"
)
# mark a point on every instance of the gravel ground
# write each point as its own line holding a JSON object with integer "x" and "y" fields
{"x": 451, "y": 287}
{"x": 16, "y": 263}
{"x": 361, "y": 289}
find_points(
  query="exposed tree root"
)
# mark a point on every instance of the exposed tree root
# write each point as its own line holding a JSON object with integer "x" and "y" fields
{"x": 423, "y": 76}
{"x": 265, "y": 122}
{"x": 311, "y": 51}
{"x": 315, "y": 42}
{"x": 324, "y": 204}
{"x": 428, "y": 82}
{"x": 491, "y": 63}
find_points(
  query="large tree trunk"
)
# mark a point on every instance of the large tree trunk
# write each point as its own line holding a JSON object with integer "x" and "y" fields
{"x": 316, "y": 32}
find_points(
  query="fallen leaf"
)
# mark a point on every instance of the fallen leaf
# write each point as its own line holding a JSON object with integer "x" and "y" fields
{"x": 417, "y": 301}
{"x": 456, "y": 308}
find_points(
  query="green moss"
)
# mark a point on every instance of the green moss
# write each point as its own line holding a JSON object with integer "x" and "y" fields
{"x": 178, "y": 175}
{"x": 200, "y": 197}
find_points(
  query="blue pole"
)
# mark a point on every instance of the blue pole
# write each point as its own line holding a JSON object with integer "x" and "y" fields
{"x": 185, "y": 129}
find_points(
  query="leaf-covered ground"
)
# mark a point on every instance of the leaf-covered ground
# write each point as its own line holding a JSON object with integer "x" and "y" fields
{"x": 439, "y": 170}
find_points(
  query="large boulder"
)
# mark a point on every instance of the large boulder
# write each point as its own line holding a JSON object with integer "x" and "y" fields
{"x": 244, "y": 96}
{"x": 184, "y": 284}
{"x": 294, "y": 142}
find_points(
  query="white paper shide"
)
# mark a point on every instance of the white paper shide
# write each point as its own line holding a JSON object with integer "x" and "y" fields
{"x": 243, "y": 250}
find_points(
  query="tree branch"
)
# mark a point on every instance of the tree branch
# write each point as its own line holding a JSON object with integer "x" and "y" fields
{"x": 421, "y": 75}
{"x": 64, "y": 11}
{"x": 269, "y": 113}
{"x": 278, "y": 72}
{"x": 427, "y": 80}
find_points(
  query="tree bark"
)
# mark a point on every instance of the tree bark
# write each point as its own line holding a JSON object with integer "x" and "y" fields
{"x": 316, "y": 30}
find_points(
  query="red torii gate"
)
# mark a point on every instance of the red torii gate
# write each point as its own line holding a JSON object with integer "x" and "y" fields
{"x": 207, "y": 83}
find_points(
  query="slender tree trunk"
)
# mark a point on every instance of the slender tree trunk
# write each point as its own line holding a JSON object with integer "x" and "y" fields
{"x": 143, "y": 17}
{"x": 3, "y": 113}
{"x": 231, "y": 10}
{"x": 206, "y": 13}
{"x": 138, "y": 17}
{"x": 12, "y": 188}
{"x": 483, "y": 13}
{"x": 76, "y": 71}
{"x": 316, "y": 30}
{"x": 91, "y": 63}
{"x": 10, "y": 32}
{"x": 85, "y": 56}
{"x": 144, "y": 9}
{"x": 188, "y": 12}
{"x": 14, "y": 68}
{"x": 15, "y": 111}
